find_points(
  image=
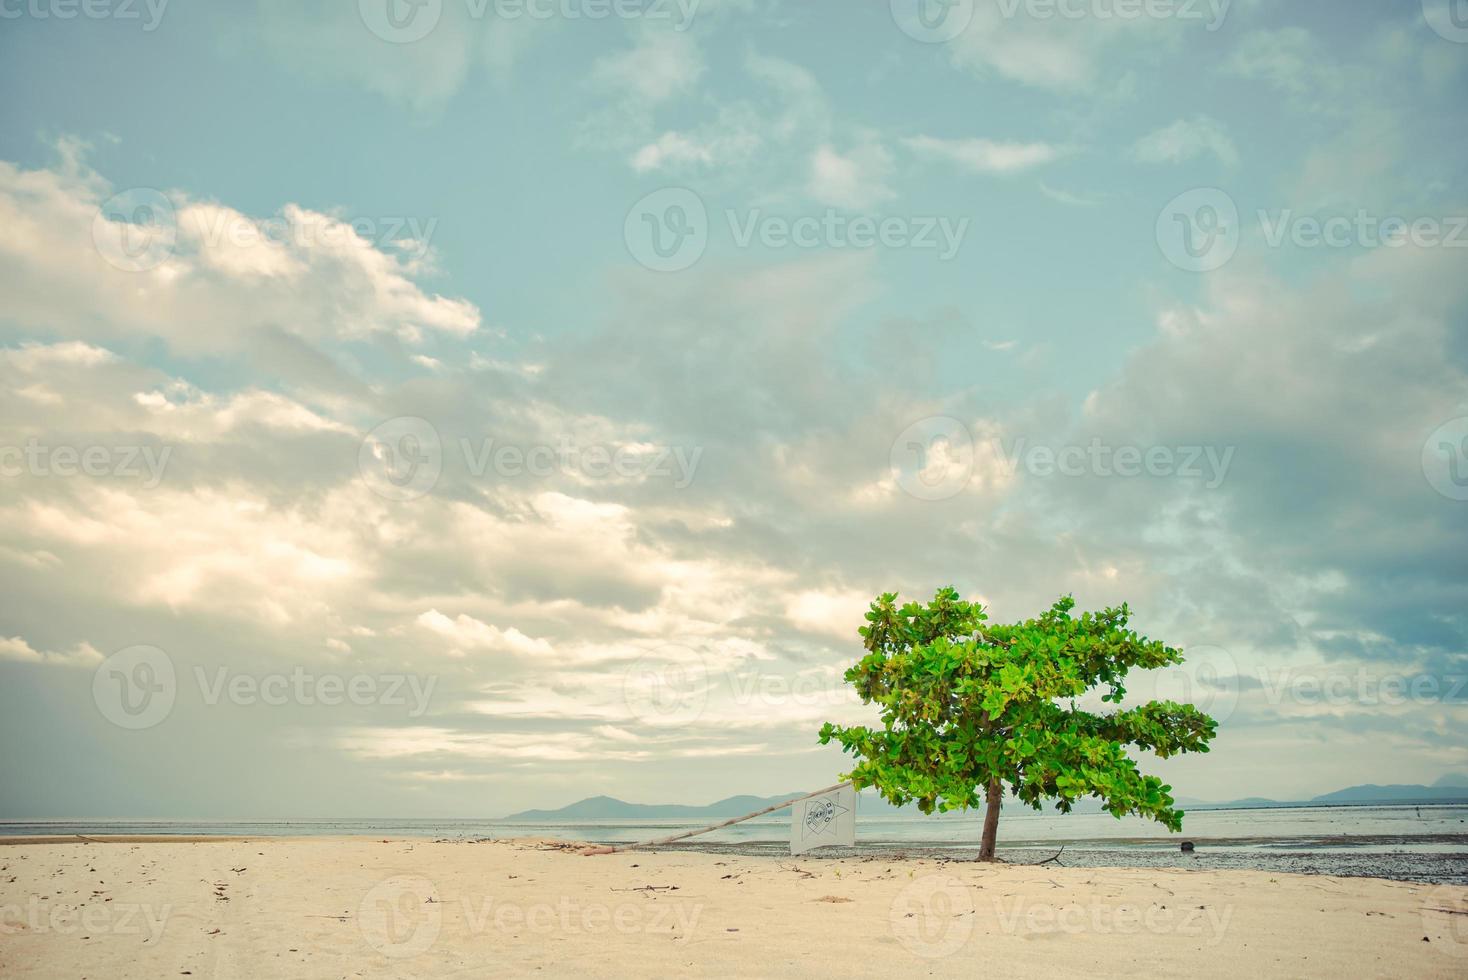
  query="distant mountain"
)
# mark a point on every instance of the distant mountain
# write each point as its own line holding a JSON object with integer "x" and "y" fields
{"x": 609, "y": 808}
{"x": 1451, "y": 788}
{"x": 1397, "y": 793}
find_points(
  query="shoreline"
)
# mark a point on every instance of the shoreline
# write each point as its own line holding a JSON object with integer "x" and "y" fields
{"x": 1419, "y": 867}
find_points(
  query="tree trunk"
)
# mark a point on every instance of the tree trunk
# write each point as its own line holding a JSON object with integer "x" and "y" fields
{"x": 991, "y": 820}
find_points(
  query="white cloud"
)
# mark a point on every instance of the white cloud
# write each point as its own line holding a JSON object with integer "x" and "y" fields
{"x": 224, "y": 551}
{"x": 854, "y": 180}
{"x": 661, "y": 64}
{"x": 835, "y": 614}
{"x": 671, "y": 150}
{"x": 464, "y": 633}
{"x": 1055, "y": 53}
{"x": 982, "y": 156}
{"x": 1185, "y": 140}
{"x": 16, "y": 649}
{"x": 221, "y": 279}
{"x": 1290, "y": 58}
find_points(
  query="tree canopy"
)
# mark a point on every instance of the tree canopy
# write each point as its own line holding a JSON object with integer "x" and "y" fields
{"x": 968, "y": 707}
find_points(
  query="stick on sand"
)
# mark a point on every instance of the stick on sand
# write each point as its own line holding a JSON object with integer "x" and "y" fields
{"x": 608, "y": 849}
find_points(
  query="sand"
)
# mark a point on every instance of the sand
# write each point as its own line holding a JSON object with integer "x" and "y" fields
{"x": 317, "y": 907}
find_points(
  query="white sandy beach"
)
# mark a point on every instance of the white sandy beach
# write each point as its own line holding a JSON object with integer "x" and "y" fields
{"x": 314, "y": 907}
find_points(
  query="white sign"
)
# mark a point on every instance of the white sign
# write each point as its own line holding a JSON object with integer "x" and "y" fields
{"x": 823, "y": 820}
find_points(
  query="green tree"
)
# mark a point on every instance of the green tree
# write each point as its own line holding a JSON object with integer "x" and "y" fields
{"x": 969, "y": 707}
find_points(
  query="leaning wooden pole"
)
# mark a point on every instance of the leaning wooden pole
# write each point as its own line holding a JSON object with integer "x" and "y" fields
{"x": 609, "y": 849}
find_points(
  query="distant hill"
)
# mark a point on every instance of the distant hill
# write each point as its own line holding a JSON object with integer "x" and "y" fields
{"x": 1398, "y": 793}
{"x": 1452, "y": 788}
{"x": 609, "y": 808}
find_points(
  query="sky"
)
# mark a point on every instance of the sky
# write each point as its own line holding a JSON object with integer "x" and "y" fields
{"x": 452, "y": 407}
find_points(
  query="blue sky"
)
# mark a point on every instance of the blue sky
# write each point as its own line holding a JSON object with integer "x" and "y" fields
{"x": 802, "y": 426}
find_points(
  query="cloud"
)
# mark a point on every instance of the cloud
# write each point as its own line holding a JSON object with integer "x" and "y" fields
{"x": 1272, "y": 370}
{"x": 1069, "y": 198}
{"x": 982, "y": 156}
{"x": 16, "y": 649}
{"x": 201, "y": 276}
{"x": 826, "y": 612}
{"x": 1057, "y": 54}
{"x": 670, "y": 151}
{"x": 660, "y": 65}
{"x": 467, "y": 633}
{"x": 1290, "y": 59}
{"x": 853, "y": 180}
{"x": 1187, "y": 139}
